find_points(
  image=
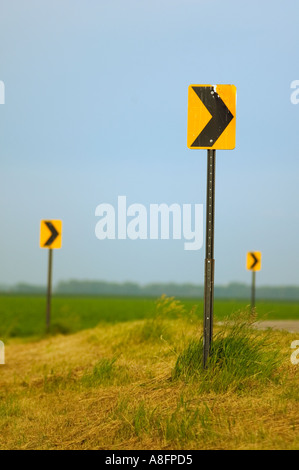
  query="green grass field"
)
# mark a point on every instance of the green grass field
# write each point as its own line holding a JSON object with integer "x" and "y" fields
{"x": 24, "y": 316}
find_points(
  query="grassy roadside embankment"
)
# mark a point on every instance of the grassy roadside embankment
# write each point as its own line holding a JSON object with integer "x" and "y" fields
{"x": 139, "y": 385}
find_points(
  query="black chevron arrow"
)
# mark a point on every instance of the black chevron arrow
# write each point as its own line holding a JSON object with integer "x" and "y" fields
{"x": 221, "y": 116}
{"x": 54, "y": 234}
{"x": 255, "y": 261}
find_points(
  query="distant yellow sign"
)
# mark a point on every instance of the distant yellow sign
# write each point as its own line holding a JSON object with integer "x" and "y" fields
{"x": 212, "y": 117}
{"x": 254, "y": 261}
{"x": 51, "y": 234}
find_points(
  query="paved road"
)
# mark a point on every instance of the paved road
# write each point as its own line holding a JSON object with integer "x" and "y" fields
{"x": 289, "y": 325}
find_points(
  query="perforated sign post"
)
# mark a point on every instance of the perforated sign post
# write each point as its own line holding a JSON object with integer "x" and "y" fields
{"x": 254, "y": 264}
{"x": 211, "y": 126}
{"x": 51, "y": 238}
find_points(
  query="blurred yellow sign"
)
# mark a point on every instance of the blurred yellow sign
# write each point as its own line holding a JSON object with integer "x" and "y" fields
{"x": 254, "y": 261}
{"x": 211, "y": 117}
{"x": 51, "y": 234}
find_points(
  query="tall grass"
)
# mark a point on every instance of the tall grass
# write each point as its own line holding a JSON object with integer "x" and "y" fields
{"x": 157, "y": 327}
{"x": 239, "y": 357}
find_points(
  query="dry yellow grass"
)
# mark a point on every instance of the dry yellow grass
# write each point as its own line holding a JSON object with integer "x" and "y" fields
{"x": 66, "y": 392}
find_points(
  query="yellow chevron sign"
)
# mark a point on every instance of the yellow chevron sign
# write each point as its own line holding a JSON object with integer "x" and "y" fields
{"x": 254, "y": 261}
{"x": 211, "y": 117}
{"x": 51, "y": 234}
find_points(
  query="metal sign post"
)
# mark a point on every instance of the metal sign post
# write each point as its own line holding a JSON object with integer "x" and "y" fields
{"x": 49, "y": 290}
{"x": 211, "y": 126}
{"x": 50, "y": 238}
{"x": 253, "y": 292}
{"x": 209, "y": 260}
{"x": 253, "y": 264}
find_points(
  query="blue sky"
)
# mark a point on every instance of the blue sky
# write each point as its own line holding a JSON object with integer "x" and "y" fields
{"x": 96, "y": 107}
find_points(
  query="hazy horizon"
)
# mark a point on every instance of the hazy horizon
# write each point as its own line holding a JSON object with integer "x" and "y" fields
{"x": 140, "y": 284}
